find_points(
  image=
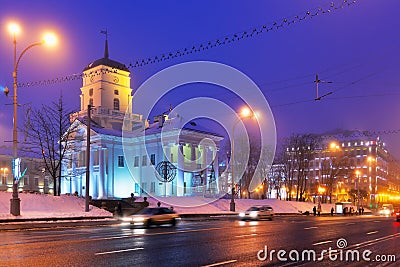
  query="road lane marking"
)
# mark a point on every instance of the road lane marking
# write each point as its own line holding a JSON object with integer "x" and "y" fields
{"x": 245, "y": 235}
{"x": 322, "y": 242}
{"x": 373, "y": 232}
{"x": 220, "y": 263}
{"x": 312, "y": 227}
{"x": 118, "y": 251}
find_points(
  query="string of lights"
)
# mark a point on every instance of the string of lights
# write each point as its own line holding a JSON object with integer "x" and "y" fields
{"x": 285, "y": 22}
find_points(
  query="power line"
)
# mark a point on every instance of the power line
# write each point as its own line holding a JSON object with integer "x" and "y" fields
{"x": 253, "y": 32}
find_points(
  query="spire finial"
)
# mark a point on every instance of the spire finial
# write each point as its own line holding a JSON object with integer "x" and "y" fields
{"x": 105, "y": 32}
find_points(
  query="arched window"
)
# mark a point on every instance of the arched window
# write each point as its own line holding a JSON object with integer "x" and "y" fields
{"x": 116, "y": 104}
{"x": 90, "y": 91}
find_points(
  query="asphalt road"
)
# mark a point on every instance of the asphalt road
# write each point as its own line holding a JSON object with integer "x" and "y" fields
{"x": 211, "y": 243}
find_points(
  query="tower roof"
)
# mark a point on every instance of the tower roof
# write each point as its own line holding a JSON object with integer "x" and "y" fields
{"x": 106, "y": 61}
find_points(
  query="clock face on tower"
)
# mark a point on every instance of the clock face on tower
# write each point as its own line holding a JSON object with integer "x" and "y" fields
{"x": 115, "y": 79}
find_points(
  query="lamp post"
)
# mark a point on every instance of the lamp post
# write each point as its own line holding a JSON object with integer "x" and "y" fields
{"x": 245, "y": 113}
{"x": 358, "y": 189}
{"x": 48, "y": 39}
{"x": 373, "y": 185}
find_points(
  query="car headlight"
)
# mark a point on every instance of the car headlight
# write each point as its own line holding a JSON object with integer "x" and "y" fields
{"x": 126, "y": 219}
{"x": 138, "y": 219}
{"x": 253, "y": 214}
{"x": 242, "y": 214}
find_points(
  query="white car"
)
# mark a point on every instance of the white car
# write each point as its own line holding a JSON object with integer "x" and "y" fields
{"x": 258, "y": 212}
{"x": 386, "y": 210}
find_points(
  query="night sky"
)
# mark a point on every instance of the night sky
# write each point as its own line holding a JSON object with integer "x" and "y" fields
{"x": 356, "y": 48}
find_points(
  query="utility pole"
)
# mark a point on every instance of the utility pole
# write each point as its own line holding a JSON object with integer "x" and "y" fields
{"x": 87, "y": 159}
{"x": 317, "y": 81}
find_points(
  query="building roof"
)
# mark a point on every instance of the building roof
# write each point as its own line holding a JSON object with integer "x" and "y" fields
{"x": 152, "y": 129}
{"x": 106, "y": 61}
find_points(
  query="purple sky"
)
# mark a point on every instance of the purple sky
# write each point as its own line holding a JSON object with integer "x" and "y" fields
{"x": 357, "y": 48}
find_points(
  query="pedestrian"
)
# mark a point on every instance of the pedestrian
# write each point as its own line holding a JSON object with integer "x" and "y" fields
{"x": 314, "y": 210}
{"x": 362, "y": 210}
{"x": 332, "y": 210}
{"x": 319, "y": 209}
{"x": 145, "y": 202}
{"x": 119, "y": 208}
{"x": 158, "y": 204}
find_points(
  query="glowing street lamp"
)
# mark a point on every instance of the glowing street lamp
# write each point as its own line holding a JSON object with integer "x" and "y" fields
{"x": 49, "y": 39}
{"x": 358, "y": 173}
{"x": 334, "y": 146}
{"x": 244, "y": 114}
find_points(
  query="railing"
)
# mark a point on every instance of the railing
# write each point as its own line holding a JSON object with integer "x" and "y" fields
{"x": 116, "y": 114}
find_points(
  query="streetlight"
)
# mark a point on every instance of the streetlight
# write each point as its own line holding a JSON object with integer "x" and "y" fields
{"x": 358, "y": 189}
{"x": 372, "y": 181}
{"x": 245, "y": 113}
{"x": 48, "y": 39}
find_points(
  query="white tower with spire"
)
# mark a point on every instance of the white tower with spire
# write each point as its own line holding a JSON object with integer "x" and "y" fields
{"x": 107, "y": 88}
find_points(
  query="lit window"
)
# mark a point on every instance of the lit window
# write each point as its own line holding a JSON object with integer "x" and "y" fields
{"x": 116, "y": 104}
{"x": 137, "y": 187}
{"x": 121, "y": 161}
{"x": 144, "y": 188}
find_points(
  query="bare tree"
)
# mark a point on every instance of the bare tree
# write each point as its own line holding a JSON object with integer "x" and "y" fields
{"x": 276, "y": 177}
{"x": 248, "y": 164}
{"x": 47, "y": 130}
{"x": 334, "y": 163}
{"x": 297, "y": 153}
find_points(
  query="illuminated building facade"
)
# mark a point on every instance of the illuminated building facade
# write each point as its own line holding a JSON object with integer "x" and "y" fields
{"x": 120, "y": 165}
{"x": 35, "y": 179}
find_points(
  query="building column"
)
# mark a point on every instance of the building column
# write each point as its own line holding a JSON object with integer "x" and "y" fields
{"x": 193, "y": 158}
{"x": 92, "y": 181}
{"x": 101, "y": 172}
{"x": 168, "y": 190}
{"x": 180, "y": 171}
{"x": 216, "y": 171}
{"x": 204, "y": 166}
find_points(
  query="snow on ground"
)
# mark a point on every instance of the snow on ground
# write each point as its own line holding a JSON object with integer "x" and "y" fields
{"x": 48, "y": 206}
{"x": 201, "y": 205}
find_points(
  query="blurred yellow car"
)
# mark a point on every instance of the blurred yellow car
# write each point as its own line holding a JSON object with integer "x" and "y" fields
{"x": 153, "y": 216}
